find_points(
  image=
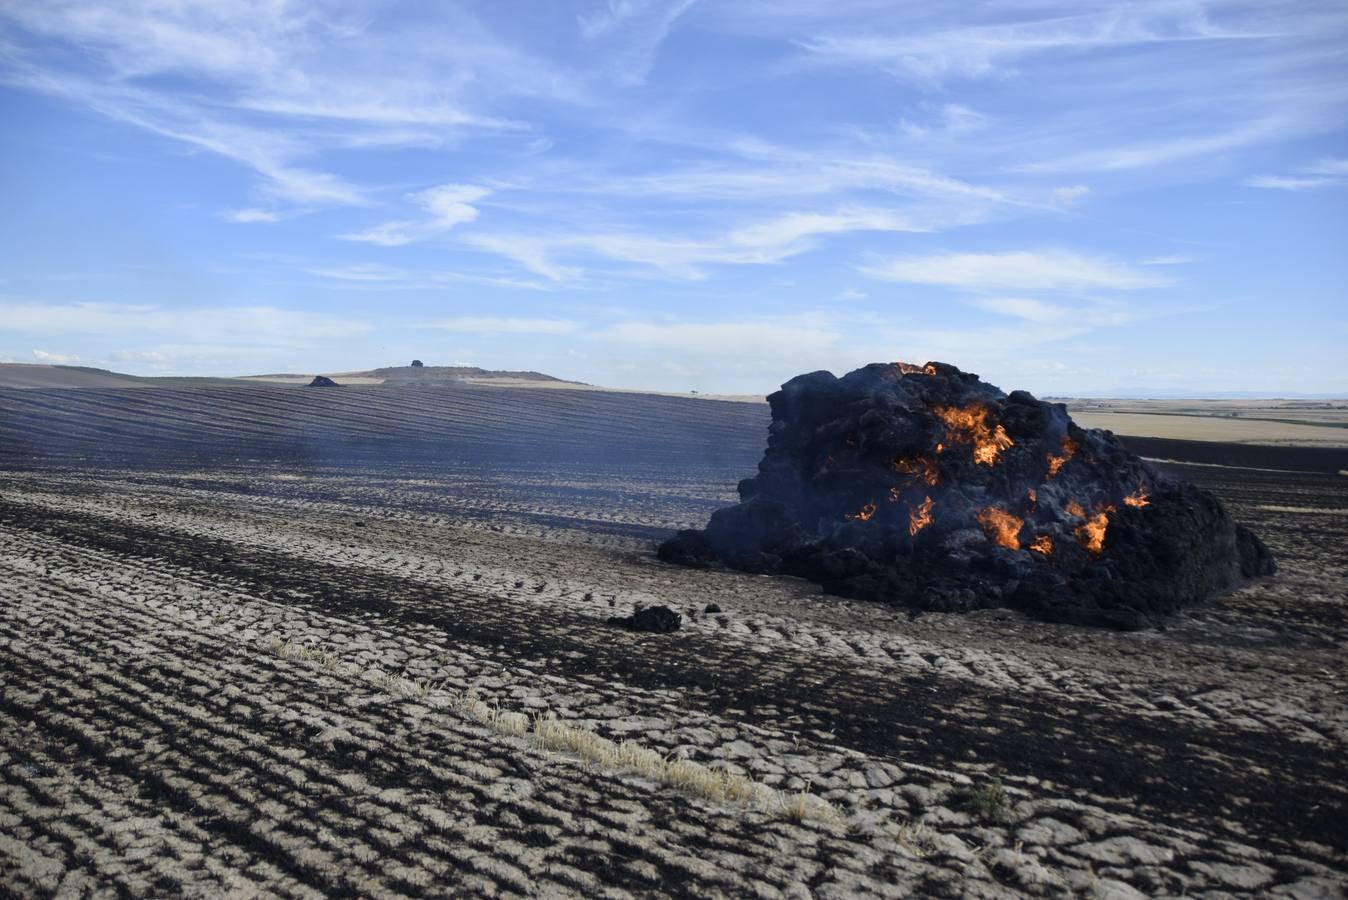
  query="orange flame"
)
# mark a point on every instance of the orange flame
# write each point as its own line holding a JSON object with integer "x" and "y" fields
{"x": 920, "y": 518}
{"x": 864, "y": 514}
{"x": 910, "y": 369}
{"x": 1069, "y": 449}
{"x": 1091, "y": 533}
{"x": 1043, "y": 544}
{"x": 1034, "y": 497}
{"x": 1001, "y": 527}
{"x": 970, "y": 425}
{"x": 922, "y": 469}
{"x": 1138, "y": 497}
{"x": 1074, "y": 509}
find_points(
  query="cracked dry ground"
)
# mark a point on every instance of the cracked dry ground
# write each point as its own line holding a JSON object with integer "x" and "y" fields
{"x": 151, "y": 742}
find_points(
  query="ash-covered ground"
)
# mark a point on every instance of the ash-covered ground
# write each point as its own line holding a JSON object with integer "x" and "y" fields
{"x": 231, "y": 667}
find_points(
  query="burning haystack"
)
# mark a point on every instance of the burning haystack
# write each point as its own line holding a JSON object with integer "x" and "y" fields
{"x": 924, "y": 486}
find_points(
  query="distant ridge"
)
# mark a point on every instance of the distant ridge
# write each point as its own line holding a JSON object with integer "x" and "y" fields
{"x": 415, "y": 375}
{"x": 39, "y": 376}
{"x": 437, "y": 373}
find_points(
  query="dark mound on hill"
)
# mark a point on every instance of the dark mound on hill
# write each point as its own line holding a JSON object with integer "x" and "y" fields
{"x": 925, "y": 487}
{"x": 323, "y": 381}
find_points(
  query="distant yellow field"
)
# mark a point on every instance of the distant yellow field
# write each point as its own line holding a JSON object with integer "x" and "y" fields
{"x": 1214, "y": 428}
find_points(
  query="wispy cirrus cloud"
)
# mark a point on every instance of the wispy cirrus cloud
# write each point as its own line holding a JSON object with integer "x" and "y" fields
{"x": 486, "y": 325}
{"x": 1024, "y": 308}
{"x": 444, "y": 206}
{"x": 631, "y": 32}
{"x": 215, "y": 324}
{"x": 1048, "y": 270}
{"x": 1145, "y": 154}
{"x": 270, "y": 85}
{"x": 559, "y": 257}
{"x": 379, "y": 277}
{"x": 273, "y": 155}
{"x": 1323, "y": 173}
{"x": 250, "y": 216}
{"x": 984, "y": 50}
{"x": 712, "y": 172}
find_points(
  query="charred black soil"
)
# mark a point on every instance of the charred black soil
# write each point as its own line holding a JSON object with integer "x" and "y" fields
{"x": 156, "y": 740}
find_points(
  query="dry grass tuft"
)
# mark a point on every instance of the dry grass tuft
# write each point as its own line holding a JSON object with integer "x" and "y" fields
{"x": 718, "y": 785}
{"x": 547, "y": 732}
{"x": 292, "y": 650}
{"x": 915, "y": 837}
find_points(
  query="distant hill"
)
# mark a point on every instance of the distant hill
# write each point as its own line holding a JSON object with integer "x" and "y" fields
{"x": 35, "y": 377}
{"x": 21, "y": 375}
{"x": 418, "y": 375}
{"x": 439, "y": 373}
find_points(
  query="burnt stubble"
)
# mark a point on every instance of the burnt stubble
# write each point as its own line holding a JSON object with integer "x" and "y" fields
{"x": 152, "y": 740}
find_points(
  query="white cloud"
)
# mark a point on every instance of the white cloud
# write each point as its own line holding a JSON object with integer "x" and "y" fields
{"x": 150, "y": 358}
{"x": 54, "y": 359}
{"x": 386, "y": 234}
{"x": 507, "y": 325}
{"x": 1169, "y": 260}
{"x": 362, "y": 272}
{"x": 270, "y": 154}
{"x": 375, "y": 276}
{"x": 751, "y": 354}
{"x": 789, "y": 230}
{"x": 1023, "y": 308}
{"x": 1322, "y": 173}
{"x": 986, "y": 50}
{"x": 748, "y": 170}
{"x": 1160, "y": 151}
{"x": 723, "y": 338}
{"x": 950, "y": 120}
{"x": 445, "y": 206}
{"x": 221, "y": 324}
{"x": 249, "y": 216}
{"x": 632, "y": 31}
{"x": 1051, "y": 270}
{"x": 448, "y": 203}
{"x": 534, "y": 253}
{"x": 1327, "y": 167}
{"x": 1292, "y": 182}
{"x": 1070, "y": 194}
{"x": 268, "y": 80}
{"x": 762, "y": 243}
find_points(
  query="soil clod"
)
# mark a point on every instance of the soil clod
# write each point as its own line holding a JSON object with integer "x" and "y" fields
{"x": 655, "y": 619}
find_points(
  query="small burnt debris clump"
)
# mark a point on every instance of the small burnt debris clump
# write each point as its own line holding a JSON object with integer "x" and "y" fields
{"x": 655, "y": 619}
{"x": 323, "y": 381}
{"x": 925, "y": 487}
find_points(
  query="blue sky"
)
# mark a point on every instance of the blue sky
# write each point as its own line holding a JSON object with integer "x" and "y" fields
{"x": 673, "y": 194}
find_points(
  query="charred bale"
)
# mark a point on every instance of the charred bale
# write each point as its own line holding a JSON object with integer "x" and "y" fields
{"x": 925, "y": 487}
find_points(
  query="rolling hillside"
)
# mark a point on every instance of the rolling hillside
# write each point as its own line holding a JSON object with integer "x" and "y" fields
{"x": 451, "y": 421}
